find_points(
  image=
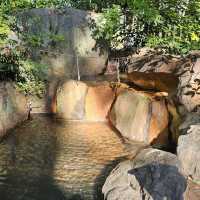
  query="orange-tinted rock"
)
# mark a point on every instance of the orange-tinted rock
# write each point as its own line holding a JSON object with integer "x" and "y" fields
{"x": 140, "y": 117}
{"x": 51, "y": 96}
{"x": 158, "y": 130}
{"x": 84, "y": 101}
{"x": 153, "y": 81}
{"x": 98, "y": 102}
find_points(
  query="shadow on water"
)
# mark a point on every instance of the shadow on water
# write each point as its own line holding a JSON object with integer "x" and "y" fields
{"x": 27, "y": 165}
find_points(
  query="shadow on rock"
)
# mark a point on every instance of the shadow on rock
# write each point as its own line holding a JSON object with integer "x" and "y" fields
{"x": 159, "y": 181}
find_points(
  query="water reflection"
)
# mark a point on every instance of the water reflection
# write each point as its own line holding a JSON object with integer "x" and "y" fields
{"x": 48, "y": 159}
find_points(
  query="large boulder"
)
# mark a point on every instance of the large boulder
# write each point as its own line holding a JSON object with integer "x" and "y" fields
{"x": 140, "y": 117}
{"x": 189, "y": 87}
{"x": 66, "y": 41}
{"x": 188, "y": 152}
{"x": 152, "y": 175}
{"x": 157, "y": 81}
{"x": 187, "y": 69}
{"x": 89, "y": 101}
{"x": 71, "y": 100}
{"x": 13, "y": 107}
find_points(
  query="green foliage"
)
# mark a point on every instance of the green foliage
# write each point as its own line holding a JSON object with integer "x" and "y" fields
{"x": 29, "y": 76}
{"x": 172, "y": 26}
{"x": 32, "y": 77}
{"x": 108, "y": 29}
{"x": 9, "y": 65}
{"x": 14, "y": 56}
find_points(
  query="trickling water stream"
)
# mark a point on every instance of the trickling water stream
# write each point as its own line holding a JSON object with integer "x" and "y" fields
{"x": 48, "y": 159}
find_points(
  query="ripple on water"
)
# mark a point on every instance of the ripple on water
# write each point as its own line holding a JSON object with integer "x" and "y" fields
{"x": 48, "y": 159}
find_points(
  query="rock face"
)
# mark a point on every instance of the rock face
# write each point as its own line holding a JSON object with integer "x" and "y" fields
{"x": 190, "y": 119}
{"x": 192, "y": 191}
{"x": 84, "y": 101}
{"x": 71, "y": 100}
{"x": 157, "y": 81}
{"x": 152, "y": 175}
{"x": 187, "y": 69}
{"x": 188, "y": 152}
{"x": 189, "y": 90}
{"x": 66, "y": 41}
{"x": 139, "y": 117}
{"x": 98, "y": 101}
{"x": 13, "y": 107}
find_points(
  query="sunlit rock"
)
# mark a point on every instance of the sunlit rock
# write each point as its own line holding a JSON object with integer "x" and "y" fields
{"x": 99, "y": 99}
{"x": 71, "y": 100}
{"x": 188, "y": 152}
{"x": 140, "y": 117}
{"x": 192, "y": 192}
{"x": 189, "y": 88}
{"x": 89, "y": 101}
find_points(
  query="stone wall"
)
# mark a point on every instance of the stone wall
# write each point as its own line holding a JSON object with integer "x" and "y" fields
{"x": 13, "y": 107}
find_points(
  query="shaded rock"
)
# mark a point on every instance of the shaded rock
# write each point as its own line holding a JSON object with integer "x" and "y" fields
{"x": 139, "y": 117}
{"x": 89, "y": 101}
{"x": 188, "y": 152}
{"x": 153, "y": 174}
{"x": 175, "y": 122}
{"x": 153, "y": 81}
{"x": 13, "y": 107}
{"x": 71, "y": 100}
{"x": 190, "y": 119}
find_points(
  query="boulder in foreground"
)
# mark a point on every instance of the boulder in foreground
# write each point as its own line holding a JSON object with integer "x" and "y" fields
{"x": 188, "y": 152}
{"x": 152, "y": 175}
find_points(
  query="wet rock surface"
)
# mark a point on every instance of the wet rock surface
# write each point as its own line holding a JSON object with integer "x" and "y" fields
{"x": 156, "y": 81}
{"x": 153, "y": 174}
{"x": 88, "y": 101}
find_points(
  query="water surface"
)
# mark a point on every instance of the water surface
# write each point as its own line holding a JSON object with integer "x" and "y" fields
{"x": 48, "y": 159}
